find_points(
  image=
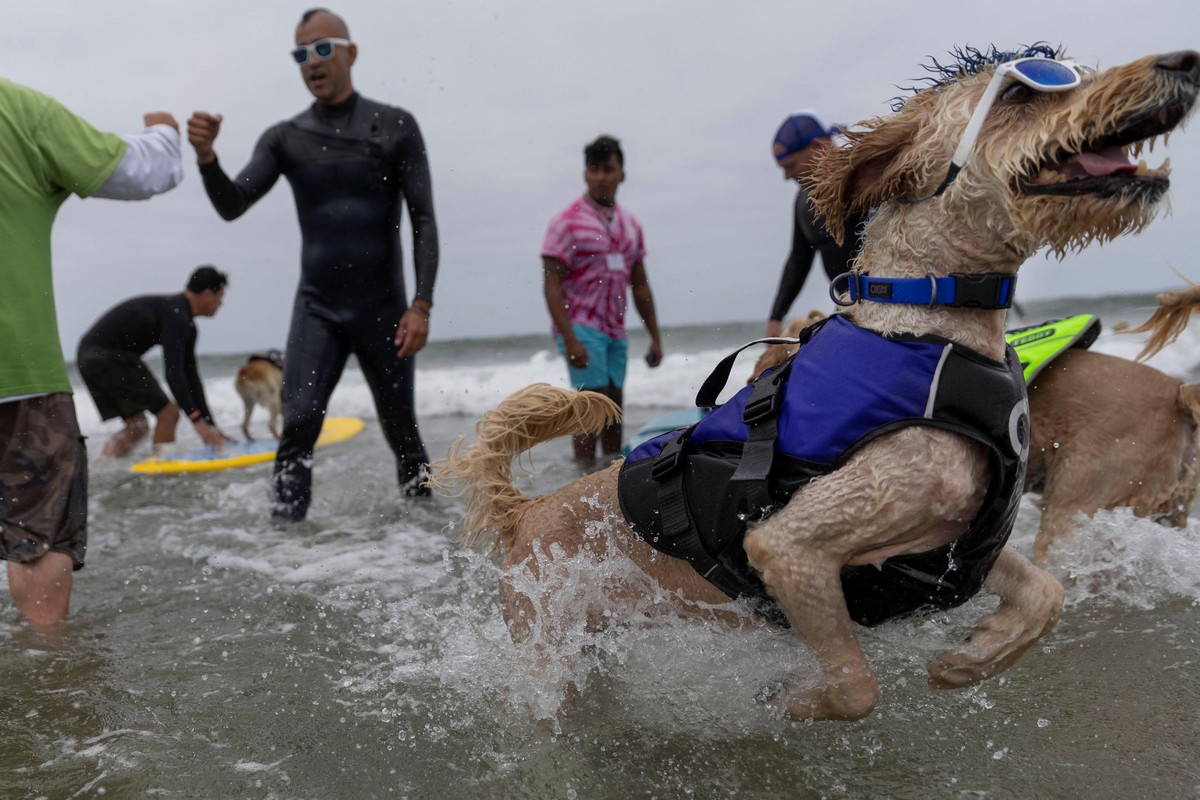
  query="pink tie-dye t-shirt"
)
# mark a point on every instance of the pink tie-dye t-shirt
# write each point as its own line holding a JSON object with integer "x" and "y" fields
{"x": 582, "y": 236}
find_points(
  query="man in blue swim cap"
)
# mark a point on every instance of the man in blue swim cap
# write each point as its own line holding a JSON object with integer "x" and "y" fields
{"x": 798, "y": 142}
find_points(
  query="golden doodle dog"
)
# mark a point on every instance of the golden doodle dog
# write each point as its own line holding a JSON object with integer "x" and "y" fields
{"x": 260, "y": 382}
{"x": 1049, "y": 167}
{"x": 1106, "y": 432}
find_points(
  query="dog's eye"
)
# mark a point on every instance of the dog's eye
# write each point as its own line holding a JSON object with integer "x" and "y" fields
{"x": 1017, "y": 92}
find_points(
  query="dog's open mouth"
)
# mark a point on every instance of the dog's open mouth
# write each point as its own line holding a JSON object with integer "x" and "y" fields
{"x": 1104, "y": 166}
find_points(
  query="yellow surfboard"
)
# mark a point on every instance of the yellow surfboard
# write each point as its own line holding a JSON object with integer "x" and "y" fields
{"x": 242, "y": 454}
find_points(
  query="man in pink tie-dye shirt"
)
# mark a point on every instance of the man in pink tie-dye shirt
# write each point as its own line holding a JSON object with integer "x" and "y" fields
{"x": 592, "y": 255}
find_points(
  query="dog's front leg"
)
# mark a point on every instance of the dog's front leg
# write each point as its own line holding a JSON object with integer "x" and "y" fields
{"x": 908, "y": 492}
{"x": 800, "y": 552}
{"x": 1030, "y": 604}
{"x": 810, "y": 592}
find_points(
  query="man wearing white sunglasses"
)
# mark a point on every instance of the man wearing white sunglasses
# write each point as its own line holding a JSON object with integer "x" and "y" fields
{"x": 351, "y": 162}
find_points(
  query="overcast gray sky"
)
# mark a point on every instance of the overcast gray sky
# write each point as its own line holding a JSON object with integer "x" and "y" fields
{"x": 506, "y": 94}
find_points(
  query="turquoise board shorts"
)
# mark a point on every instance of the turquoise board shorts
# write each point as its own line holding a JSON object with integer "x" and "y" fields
{"x": 607, "y": 358}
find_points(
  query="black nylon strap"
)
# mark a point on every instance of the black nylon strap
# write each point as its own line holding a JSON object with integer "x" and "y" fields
{"x": 761, "y": 413}
{"x": 668, "y": 472}
{"x": 716, "y": 380}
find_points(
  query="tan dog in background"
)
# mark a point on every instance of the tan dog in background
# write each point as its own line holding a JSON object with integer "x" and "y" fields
{"x": 260, "y": 382}
{"x": 1031, "y": 183}
{"x": 1106, "y": 432}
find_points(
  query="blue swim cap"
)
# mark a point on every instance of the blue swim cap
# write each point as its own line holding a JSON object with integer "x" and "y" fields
{"x": 799, "y": 131}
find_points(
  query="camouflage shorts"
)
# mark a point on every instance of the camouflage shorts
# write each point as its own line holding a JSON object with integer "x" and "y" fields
{"x": 43, "y": 480}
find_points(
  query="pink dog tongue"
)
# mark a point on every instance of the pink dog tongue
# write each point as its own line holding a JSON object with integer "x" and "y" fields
{"x": 1110, "y": 161}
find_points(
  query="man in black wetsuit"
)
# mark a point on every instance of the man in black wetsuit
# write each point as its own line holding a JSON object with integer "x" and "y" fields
{"x": 110, "y": 361}
{"x": 350, "y": 162}
{"x": 798, "y": 142}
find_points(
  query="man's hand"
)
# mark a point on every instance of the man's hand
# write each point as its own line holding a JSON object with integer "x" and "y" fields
{"x": 577, "y": 355}
{"x": 412, "y": 332}
{"x": 159, "y": 118}
{"x": 654, "y": 354}
{"x": 202, "y": 130}
{"x": 211, "y": 435}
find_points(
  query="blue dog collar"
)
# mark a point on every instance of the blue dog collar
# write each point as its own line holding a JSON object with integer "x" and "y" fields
{"x": 959, "y": 290}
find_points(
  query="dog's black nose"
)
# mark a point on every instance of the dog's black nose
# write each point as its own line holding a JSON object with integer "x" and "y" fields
{"x": 1186, "y": 62}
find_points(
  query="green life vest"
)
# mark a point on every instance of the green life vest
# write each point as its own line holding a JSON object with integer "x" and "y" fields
{"x": 1038, "y": 345}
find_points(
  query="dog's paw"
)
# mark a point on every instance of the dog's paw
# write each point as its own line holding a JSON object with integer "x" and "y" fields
{"x": 808, "y": 703}
{"x": 957, "y": 669}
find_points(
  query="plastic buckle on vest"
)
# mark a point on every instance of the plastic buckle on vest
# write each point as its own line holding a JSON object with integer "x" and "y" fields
{"x": 760, "y": 409}
{"x": 669, "y": 459}
{"x": 665, "y": 465}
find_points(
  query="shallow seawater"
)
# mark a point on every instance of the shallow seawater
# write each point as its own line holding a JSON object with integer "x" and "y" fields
{"x": 363, "y": 654}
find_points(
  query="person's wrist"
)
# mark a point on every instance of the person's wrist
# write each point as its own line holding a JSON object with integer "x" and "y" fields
{"x": 424, "y": 306}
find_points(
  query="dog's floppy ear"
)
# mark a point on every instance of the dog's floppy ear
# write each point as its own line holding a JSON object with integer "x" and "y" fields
{"x": 876, "y": 164}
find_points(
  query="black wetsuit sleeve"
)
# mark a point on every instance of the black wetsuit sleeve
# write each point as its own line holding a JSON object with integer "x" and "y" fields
{"x": 797, "y": 266}
{"x": 417, "y": 186}
{"x": 231, "y": 198}
{"x": 179, "y": 362}
{"x": 839, "y": 258}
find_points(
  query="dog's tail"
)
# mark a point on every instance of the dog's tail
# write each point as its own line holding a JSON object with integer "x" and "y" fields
{"x": 1187, "y": 402}
{"x": 483, "y": 471}
{"x": 1168, "y": 320}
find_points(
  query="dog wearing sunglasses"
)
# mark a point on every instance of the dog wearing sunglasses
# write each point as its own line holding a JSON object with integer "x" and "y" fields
{"x": 1045, "y": 168}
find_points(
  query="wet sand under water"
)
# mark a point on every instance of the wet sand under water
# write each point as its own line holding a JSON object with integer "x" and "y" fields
{"x": 363, "y": 655}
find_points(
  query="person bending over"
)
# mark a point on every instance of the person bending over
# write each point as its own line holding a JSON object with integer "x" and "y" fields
{"x": 801, "y": 138}
{"x": 110, "y": 361}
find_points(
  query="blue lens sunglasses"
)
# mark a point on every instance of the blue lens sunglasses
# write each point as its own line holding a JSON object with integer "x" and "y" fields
{"x": 1037, "y": 72}
{"x": 321, "y": 49}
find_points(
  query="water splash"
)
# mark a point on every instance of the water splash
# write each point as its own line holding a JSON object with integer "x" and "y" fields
{"x": 1118, "y": 559}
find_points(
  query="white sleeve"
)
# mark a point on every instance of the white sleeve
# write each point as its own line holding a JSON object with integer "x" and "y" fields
{"x": 151, "y": 165}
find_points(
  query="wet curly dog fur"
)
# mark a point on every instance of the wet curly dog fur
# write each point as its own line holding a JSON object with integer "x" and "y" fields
{"x": 1041, "y": 175}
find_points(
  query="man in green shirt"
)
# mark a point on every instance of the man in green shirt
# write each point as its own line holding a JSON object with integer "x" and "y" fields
{"x": 46, "y": 155}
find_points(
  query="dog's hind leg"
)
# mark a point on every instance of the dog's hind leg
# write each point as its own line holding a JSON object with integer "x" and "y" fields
{"x": 1030, "y": 604}
{"x": 1071, "y": 490}
{"x": 246, "y": 418}
{"x": 573, "y": 568}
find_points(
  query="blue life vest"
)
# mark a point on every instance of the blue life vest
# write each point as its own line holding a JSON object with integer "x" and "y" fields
{"x": 690, "y": 493}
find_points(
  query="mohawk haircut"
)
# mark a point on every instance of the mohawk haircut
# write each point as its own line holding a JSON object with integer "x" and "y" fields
{"x": 970, "y": 61}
